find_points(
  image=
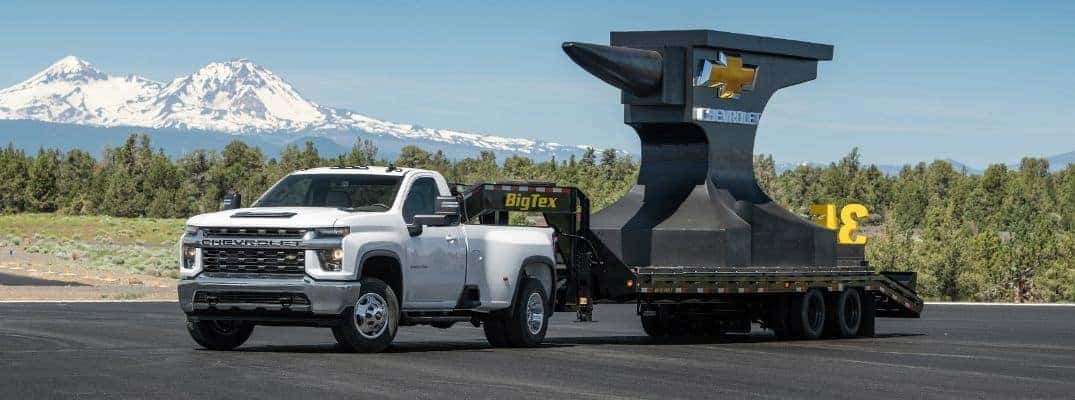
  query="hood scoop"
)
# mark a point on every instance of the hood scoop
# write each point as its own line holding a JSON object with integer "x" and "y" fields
{"x": 255, "y": 214}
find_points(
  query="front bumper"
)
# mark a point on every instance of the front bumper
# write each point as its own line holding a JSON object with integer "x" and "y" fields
{"x": 237, "y": 297}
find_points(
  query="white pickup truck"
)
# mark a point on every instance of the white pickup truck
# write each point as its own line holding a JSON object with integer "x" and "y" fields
{"x": 362, "y": 250}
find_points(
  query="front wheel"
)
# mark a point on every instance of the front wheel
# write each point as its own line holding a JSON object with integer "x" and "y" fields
{"x": 220, "y": 335}
{"x": 371, "y": 325}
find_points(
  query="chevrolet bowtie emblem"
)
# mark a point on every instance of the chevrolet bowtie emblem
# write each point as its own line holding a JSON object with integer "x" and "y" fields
{"x": 728, "y": 75}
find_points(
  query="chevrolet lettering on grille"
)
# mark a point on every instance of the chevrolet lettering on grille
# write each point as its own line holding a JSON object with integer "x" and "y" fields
{"x": 250, "y": 243}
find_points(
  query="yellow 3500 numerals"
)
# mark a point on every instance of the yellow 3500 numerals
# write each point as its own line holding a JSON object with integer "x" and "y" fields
{"x": 847, "y": 224}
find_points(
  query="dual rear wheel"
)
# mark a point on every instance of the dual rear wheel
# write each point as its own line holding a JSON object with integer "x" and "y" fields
{"x": 528, "y": 320}
{"x": 815, "y": 314}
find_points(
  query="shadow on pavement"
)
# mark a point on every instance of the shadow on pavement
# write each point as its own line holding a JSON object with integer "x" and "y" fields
{"x": 18, "y": 280}
{"x": 435, "y": 346}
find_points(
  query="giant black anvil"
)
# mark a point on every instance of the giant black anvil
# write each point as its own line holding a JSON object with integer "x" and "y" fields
{"x": 695, "y": 99}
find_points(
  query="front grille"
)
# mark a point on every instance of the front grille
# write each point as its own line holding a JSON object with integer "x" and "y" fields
{"x": 254, "y": 261}
{"x": 261, "y": 233}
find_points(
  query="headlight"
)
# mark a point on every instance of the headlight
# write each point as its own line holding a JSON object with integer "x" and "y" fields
{"x": 191, "y": 230}
{"x": 189, "y": 255}
{"x": 332, "y": 259}
{"x": 332, "y": 231}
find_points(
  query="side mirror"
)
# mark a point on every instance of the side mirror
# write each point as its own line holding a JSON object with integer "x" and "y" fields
{"x": 448, "y": 206}
{"x": 232, "y": 200}
{"x": 415, "y": 228}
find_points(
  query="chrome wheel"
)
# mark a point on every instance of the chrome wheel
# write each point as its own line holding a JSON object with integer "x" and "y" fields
{"x": 535, "y": 313}
{"x": 371, "y": 315}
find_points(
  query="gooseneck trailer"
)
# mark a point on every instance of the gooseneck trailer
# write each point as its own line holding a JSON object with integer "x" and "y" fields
{"x": 805, "y": 301}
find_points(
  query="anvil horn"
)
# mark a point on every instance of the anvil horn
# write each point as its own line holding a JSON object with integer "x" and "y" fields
{"x": 635, "y": 71}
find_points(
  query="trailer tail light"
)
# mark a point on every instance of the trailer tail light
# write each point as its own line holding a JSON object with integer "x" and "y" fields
{"x": 630, "y": 283}
{"x": 584, "y": 301}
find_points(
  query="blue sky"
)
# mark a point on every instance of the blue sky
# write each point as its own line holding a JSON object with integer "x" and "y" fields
{"x": 911, "y": 80}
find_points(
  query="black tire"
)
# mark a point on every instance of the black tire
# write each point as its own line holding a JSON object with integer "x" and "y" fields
{"x": 678, "y": 327}
{"x": 867, "y": 328}
{"x": 847, "y": 315}
{"x": 495, "y": 332}
{"x": 220, "y": 335}
{"x": 806, "y": 316}
{"x": 370, "y": 325}
{"x": 653, "y": 326}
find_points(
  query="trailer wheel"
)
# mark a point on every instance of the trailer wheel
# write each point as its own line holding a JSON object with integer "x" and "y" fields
{"x": 220, "y": 335}
{"x": 847, "y": 316}
{"x": 653, "y": 326}
{"x": 371, "y": 325}
{"x": 867, "y": 328}
{"x": 806, "y": 318}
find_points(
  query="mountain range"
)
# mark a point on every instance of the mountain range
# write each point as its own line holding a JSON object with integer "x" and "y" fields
{"x": 73, "y": 104}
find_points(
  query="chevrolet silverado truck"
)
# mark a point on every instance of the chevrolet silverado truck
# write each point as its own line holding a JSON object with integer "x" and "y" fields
{"x": 362, "y": 250}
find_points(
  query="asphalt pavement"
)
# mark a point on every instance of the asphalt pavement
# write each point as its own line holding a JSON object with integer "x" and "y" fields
{"x": 141, "y": 350}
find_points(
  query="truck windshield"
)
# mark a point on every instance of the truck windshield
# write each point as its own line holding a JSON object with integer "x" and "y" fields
{"x": 350, "y": 192}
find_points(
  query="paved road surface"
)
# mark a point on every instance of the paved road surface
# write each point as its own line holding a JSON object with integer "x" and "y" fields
{"x": 141, "y": 350}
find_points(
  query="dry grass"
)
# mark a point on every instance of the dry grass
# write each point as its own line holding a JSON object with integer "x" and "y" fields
{"x": 136, "y": 245}
{"x": 111, "y": 230}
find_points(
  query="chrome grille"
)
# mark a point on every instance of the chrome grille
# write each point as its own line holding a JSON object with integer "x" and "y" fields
{"x": 281, "y": 233}
{"x": 254, "y": 261}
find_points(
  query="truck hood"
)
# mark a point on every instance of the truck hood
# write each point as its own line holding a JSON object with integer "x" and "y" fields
{"x": 271, "y": 217}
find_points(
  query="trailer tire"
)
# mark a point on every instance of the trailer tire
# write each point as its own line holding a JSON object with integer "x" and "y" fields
{"x": 868, "y": 326}
{"x": 220, "y": 335}
{"x": 847, "y": 313}
{"x": 678, "y": 326}
{"x": 653, "y": 325}
{"x": 370, "y": 326}
{"x": 806, "y": 318}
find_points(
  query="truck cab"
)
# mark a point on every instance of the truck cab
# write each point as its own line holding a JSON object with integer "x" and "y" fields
{"x": 362, "y": 250}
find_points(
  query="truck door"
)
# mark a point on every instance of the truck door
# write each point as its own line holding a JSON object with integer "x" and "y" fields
{"x": 437, "y": 258}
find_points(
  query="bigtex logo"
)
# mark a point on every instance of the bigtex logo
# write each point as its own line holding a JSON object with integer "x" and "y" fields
{"x": 524, "y": 203}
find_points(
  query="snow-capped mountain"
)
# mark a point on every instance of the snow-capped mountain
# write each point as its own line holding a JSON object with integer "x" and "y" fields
{"x": 236, "y": 97}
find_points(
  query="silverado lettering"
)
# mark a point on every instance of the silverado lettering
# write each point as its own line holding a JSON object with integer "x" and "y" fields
{"x": 250, "y": 243}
